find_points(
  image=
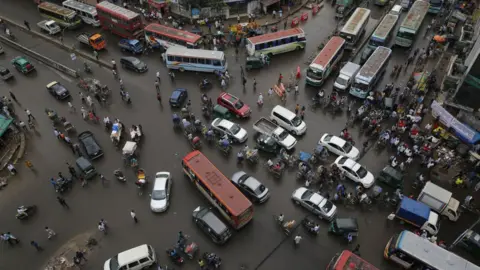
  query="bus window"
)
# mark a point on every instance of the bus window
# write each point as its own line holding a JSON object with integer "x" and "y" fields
{"x": 178, "y": 59}
{"x": 193, "y": 60}
{"x": 186, "y": 60}
{"x": 217, "y": 63}
{"x": 201, "y": 61}
{"x": 170, "y": 58}
{"x": 208, "y": 62}
{"x": 269, "y": 44}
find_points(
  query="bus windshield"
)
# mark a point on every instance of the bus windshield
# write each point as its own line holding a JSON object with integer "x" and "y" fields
{"x": 315, "y": 73}
{"x": 407, "y": 35}
{"x": 361, "y": 86}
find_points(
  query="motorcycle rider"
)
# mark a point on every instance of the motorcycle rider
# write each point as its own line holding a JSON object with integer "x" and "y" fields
{"x": 240, "y": 156}
{"x": 86, "y": 67}
{"x": 281, "y": 218}
{"x": 316, "y": 228}
{"x": 205, "y": 83}
{"x": 204, "y": 96}
{"x": 22, "y": 211}
{"x": 114, "y": 65}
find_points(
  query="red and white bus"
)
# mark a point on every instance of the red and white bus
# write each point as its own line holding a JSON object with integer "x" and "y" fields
{"x": 120, "y": 21}
{"x": 326, "y": 61}
{"x": 347, "y": 261}
{"x": 160, "y": 35}
{"x": 218, "y": 189}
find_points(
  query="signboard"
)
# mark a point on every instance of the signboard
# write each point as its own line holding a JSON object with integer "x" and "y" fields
{"x": 295, "y": 22}
{"x": 73, "y": 56}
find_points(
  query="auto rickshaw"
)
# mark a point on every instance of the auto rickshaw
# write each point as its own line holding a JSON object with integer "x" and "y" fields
{"x": 344, "y": 227}
{"x": 391, "y": 177}
{"x": 254, "y": 62}
{"x": 221, "y": 112}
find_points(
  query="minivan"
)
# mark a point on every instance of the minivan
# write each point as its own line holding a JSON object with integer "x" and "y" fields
{"x": 396, "y": 10}
{"x": 141, "y": 257}
{"x": 86, "y": 168}
{"x": 288, "y": 120}
{"x": 211, "y": 225}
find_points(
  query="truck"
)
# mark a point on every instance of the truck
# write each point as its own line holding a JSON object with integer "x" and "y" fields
{"x": 94, "y": 41}
{"x": 346, "y": 76}
{"x": 49, "y": 26}
{"x": 131, "y": 45}
{"x": 418, "y": 215}
{"x": 440, "y": 200}
{"x": 345, "y": 7}
{"x": 280, "y": 135}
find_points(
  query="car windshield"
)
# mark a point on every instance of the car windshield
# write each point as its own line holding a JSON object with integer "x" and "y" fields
{"x": 362, "y": 172}
{"x": 260, "y": 190}
{"x": 283, "y": 135}
{"x": 341, "y": 81}
{"x": 347, "y": 147}
{"x": 235, "y": 129}
{"x": 307, "y": 195}
{"x": 239, "y": 105}
{"x": 159, "y": 195}
{"x": 114, "y": 263}
{"x": 327, "y": 206}
{"x": 296, "y": 121}
{"x": 327, "y": 138}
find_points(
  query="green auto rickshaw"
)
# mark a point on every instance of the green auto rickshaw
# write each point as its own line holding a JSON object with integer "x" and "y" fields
{"x": 221, "y": 112}
{"x": 254, "y": 62}
{"x": 391, "y": 177}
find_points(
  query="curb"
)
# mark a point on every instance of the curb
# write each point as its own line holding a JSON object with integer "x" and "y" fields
{"x": 57, "y": 43}
{"x": 293, "y": 11}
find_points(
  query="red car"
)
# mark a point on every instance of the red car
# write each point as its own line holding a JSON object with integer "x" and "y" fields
{"x": 234, "y": 104}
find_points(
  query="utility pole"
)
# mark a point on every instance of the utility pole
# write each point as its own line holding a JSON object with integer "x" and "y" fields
{"x": 460, "y": 237}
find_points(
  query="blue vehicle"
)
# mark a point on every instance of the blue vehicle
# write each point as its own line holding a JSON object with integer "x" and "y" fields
{"x": 131, "y": 45}
{"x": 418, "y": 215}
{"x": 178, "y": 97}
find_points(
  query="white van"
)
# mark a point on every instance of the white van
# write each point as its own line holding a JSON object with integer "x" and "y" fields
{"x": 288, "y": 120}
{"x": 137, "y": 258}
{"x": 396, "y": 10}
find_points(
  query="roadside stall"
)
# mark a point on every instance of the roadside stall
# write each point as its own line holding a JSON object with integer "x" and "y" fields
{"x": 129, "y": 152}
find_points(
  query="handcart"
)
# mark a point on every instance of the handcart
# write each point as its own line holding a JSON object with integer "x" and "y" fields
{"x": 251, "y": 155}
{"x": 277, "y": 167}
{"x": 68, "y": 127}
{"x": 129, "y": 154}
{"x": 52, "y": 114}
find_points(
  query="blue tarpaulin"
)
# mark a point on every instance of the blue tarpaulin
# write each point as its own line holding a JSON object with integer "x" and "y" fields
{"x": 462, "y": 131}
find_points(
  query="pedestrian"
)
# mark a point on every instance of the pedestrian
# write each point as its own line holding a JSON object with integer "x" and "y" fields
{"x": 13, "y": 96}
{"x": 296, "y": 240}
{"x": 27, "y": 24}
{"x": 270, "y": 92}
{"x": 157, "y": 85}
{"x": 54, "y": 183}
{"x": 36, "y": 245}
{"x": 242, "y": 74}
{"x": 356, "y": 250}
{"x": 238, "y": 18}
{"x": 95, "y": 54}
{"x": 297, "y": 108}
{"x": 302, "y": 114}
{"x": 12, "y": 169}
{"x": 280, "y": 77}
{"x": 350, "y": 238}
{"x": 134, "y": 216}
{"x": 296, "y": 89}
{"x": 62, "y": 202}
{"x": 365, "y": 145}
{"x": 157, "y": 75}
{"x": 60, "y": 175}
{"x": 104, "y": 180}
{"x": 82, "y": 97}
{"x": 159, "y": 98}
{"x": 244, "y": 81}
{"x": 83, "y": 181}
{"x": 285, "y": 25}
{"x": 71, "y": 108}
{"x": 72, "y": 170}
{"x": 102, "y": 227}
{"x": 76, "y": 149}
{"x": 23, "y": 126}
{"x": 254, "y": 85}
{"x": 11, "y": 238}
{"x": 56, "y": 133}
{"x": 29, "y": 114}
{"x": 89, "y": 101}
{"x": 51, "y": 233}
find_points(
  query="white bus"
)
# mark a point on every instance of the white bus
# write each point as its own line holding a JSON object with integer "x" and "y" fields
{"x": 355, "y": 26}
{"x": 182, "y": 59}
{"x": 325, "y": 61}
{"x": 411, "y": 24}
{"x": 65, "y": 17}
{"x": 86, "y": 12}
{"x": 411, "y": 251}
{"x": 277, "y": 42}
{"x": 371, "y": 72}
{"x": 384, "y": 30}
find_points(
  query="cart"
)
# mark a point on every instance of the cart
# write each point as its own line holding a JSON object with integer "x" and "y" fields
{"x": 277, "y": 168}
{"x": 68, "y": 127}
{"x": 116, "y": 134}
{"x": 129, "y": 154}
{"x": 52, "y": 115}
{"x": 251, "y": 155}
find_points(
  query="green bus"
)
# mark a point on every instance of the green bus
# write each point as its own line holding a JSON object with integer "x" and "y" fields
{"x": 65, "y": 17}
{"x": 411, "y": 24}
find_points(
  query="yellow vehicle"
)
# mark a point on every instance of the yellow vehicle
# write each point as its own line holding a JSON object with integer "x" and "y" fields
{"x": 95, "y": 41}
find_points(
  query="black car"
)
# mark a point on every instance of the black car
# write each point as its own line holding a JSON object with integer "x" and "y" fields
{"x": 5, "y": 73}
{"x": 268, "y": 144}
{"x": 58, "y": 90}
{"x": 90, "y": 145}
{"x": 134, "y": 64}
{"x": 178, "y": 97}
{"x": 251, "y": 187}
{"x": 211, "y": 225}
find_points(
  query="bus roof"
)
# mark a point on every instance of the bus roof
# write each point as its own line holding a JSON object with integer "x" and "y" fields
{"x": 374, "y": 62}
{"x": 355, "y": 21}
{"x": 217, "y": 182}
{"x": 119, "y": 11}
{"x": 348, "y": 261}
{"x": 277, "y": 35}
{"x": 385, "y": 26}
{"x": 172, "y": 32}
{"x": 327, "y": 53}
{"x": 181, "y": 51}
{"x": 80, "y": 5}
{"x": 56, "y": 8}
{"x": 431, "y": 254}
{"x": 415, "y": 15}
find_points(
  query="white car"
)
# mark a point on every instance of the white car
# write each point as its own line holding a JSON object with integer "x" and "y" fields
{"x": 339, "y": 146}
{"x": 355, "y": 171}
{"x": 232, "y": 130}
{"x": 315, "y": 202}
{"x": 160, "y": 196}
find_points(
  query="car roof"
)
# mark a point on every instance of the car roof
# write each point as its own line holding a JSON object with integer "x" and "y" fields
{"x": 129, "y": 58}
{"x": 252, "y": 183}
{"x": 133, "y": 254}
{"x": 160, "y": 182}
{"x": 21, "y": 60}
{"x": 316, "y": 198}
{"x": 350, "y": 163}
{"x": 225, "y": 123}
{"x": 347, "y": 223}
{"x": 229, "y": 97}
{"x": 338, "y": 141}
{"x": 214, "y": 222}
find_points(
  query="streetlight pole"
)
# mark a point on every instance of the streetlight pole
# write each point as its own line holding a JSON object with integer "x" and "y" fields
{"x": 460, "y": 237}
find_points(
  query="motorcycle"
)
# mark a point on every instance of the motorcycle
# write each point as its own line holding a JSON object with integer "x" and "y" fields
{"x": 119, "y": 175}
{"x": 28, "y": 211}
{"x": 176, "y": 259}
{"x": 205, "y": 85}
{"x": 310, "y": 225}
{"x": 212, "y": 260}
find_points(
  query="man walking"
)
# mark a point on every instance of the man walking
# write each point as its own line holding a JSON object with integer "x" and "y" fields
{"x": 62, "y": 202}
{"x": 72, "y": 170}
{"x": 13, "y": 96}
{"x": 297, "y": 240}
{"x": 95, "y": 54}
{"x": 27, "y": 24}
{"x": 36, "y": 245}
{"x": 29, "y": 114}
{"x": 134, "y": 216}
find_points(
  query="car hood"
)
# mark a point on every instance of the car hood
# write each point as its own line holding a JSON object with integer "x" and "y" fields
{"x": 245, "y": 110}
{"x": 158, "y": 204}
{"x": 368, "y": 179}
{"x": 354, "y": 153}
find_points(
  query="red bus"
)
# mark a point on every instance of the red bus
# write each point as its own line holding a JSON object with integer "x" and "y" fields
{"x": 161, "y": 35}
{"x": 349, "y": 261}
{"x": 120, "y": 21}
{"x": 218, "y": 189}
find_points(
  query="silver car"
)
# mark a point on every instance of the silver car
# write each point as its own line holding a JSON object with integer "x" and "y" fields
{"x": 315, "y": 203}
{"x": 251, "y": 187}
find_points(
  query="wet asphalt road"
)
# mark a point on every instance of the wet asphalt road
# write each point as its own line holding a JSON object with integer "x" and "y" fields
{"x": 162, "y": 150}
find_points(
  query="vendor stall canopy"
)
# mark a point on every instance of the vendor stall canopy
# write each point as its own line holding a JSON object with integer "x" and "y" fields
{"x": 4, "y": 124}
